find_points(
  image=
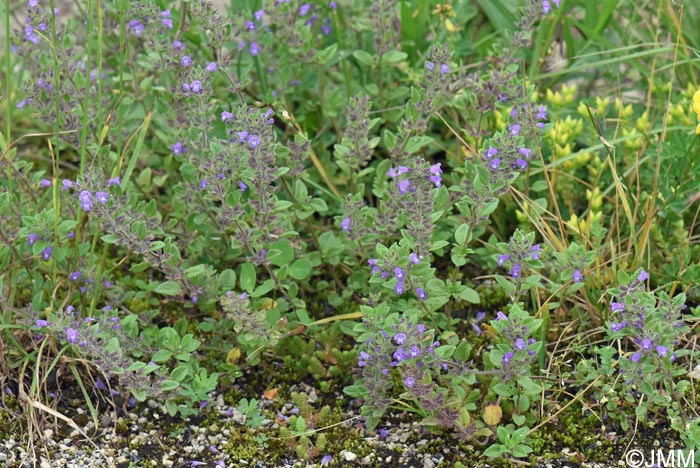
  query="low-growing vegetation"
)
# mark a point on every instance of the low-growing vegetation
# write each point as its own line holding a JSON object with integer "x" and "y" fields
{"x": 478, "y": 218}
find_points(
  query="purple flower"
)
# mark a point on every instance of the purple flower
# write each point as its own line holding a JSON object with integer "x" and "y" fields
{"x": 525, "y": 152}
{"x": 46, "y": 253}
{"x": 546, "y": 7}
{"x": 167, "y": 22}
{"x": 304, "y": 9}
{"x": 74, "y": 276}
{"x": 24, "y": 102}
{"x": 409, "y": 381}
{"x": 254, "y": 49}
{"x": 507, "y": 357}
{"x": 186, "y": 61}
{"x": 520, "y": 163}
{"x": 114, "y": 181}
{"x": 45, "y": 183}
{"x": 177, "y": 45}
{"x": 40, "y": 323}
{"x": 178, "y": 148}
{"x": 399, "y": 355}
{"x": 242, "y": 186}
{"x": 429, "y": 66}
{"x": 345, "y": 224}
{"x": 203, "y": 184}
{"x": 400, "y": 338}
{"x": 495, "y": 164}
{"x": 643, "y": 276}
{"x": 196, "y": 463}
{"x": 399, "y": 273}
{"x": 326, "y": 459}
{"x": 615, "y": 306}
{"x": 647, "y": 344}
{"x": 334, "y": 6}
{"x": 515, "y": 271}
{"x": 254, "y": 141}
{"x": 413, "y": 258}
{"x": 398, "y": 289}
{"x": 444, "y": 69}
{"x": 662, "y": 351}
{"x": 212, "y": 67}
{"x": 501, "y": 316}
{"x": 102, "y": 197}
{"x": 31, "y": 238}
{"x": 258, "y": 15}
{"x": 226, "y": 116}
{"x": 66, "y": 184}
{"x": 86, "y": 204}
{"x": 421, "y": 294}
{"x": 72, "y": 335}
{"x": 541, "y": 113}
{"x": 196, "y": 87}
{"x": 414, "y": 351}
{"x": 520, "y": 344}
{"x": 577, "y": 276}
{"x": 136, "y": 27}
{"x": 326, "y": 27}
{"x": 436, "y": 179}
{"x": 535, "y": 251}
{"x": 514, "y": 130}
{"x": 250, "y": 26}
{"x": 635, "y": 357}
{"x": 502, "y": 259}
{"x": 185, "y": 87}
{"x": 616, "y": 327}
{"x": 491, "y": 152}
{"x": 403, "y": 186}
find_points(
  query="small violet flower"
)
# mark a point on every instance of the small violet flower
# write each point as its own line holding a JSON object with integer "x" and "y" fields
{"x": 178, "y": 148}
{"x": 345, "y": 224}
{"x": 400, "y": 338}
{"x": 46, "y": 253}
{"x": 72, "y": 335}
{"x": 409, "y": 381}
{"x": 577, "y": 276}
{"x": 507, "y": 358}
{"x": 422, "y": 295}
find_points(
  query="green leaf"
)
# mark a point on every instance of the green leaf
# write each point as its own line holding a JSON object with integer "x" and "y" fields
{"x": 300, "y": 269}
{"x": 169, "y": 385}
{"x": 416, "y": 143}
{"x": 264, "y": 288}
{"x": 325, "y": 55}
{"x": 180, "y": 373}
{"x": 518, "y": 419}
{"x": 365, "y": 58}
{"x": 168, "y": 288}
{"x": 162, "y": 355}
{"x": 469, "y": 295}
{"x": 461, "y": 234}
{"x": 247, "y": 279}
{"x": 394, "y": 56}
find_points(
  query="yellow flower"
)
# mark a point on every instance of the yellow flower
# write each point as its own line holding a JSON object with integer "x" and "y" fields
{"x": 696, "y": 102}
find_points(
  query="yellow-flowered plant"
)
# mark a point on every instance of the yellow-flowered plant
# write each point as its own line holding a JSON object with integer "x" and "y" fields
{"x": 696, "y": 109}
